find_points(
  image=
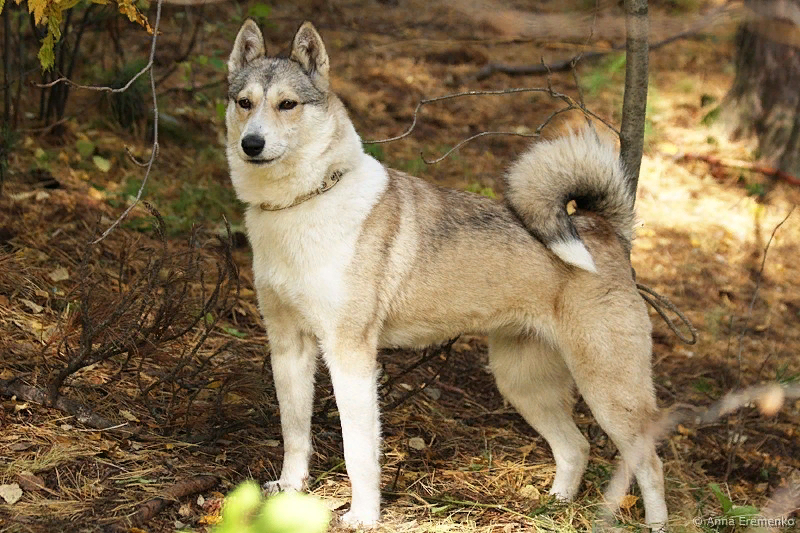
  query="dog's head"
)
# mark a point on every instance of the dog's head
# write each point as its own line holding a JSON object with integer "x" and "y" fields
{"x": 275, "y": 105}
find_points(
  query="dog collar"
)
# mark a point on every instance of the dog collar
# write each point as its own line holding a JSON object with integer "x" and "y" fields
{"x": 327, "y": 184}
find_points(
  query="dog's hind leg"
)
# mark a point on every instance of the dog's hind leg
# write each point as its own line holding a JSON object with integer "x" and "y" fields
{"x": 609, "y": 357}
{"x": 533, "y": 377}
{"x": 354, "y": 374}
{"x": 294, "y": 360}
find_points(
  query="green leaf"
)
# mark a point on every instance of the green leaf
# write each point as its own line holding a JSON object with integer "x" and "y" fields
{"x": 102, "y": 164}
{"x": 711, "y": 117}
{"x": 722, "y": 498}
{"x": 217, "y": 63}
{"x": 85, "y": 147}
{"x": 46, "y": 56}
{"x": 233, "y": 331}
{"x": 2, "y": 3}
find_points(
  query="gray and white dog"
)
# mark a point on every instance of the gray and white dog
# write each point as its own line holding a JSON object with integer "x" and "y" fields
{"x": 350, "y": 256}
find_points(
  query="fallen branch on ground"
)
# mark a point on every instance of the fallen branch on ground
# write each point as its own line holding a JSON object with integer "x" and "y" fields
{"x": 179, "y": 490}
{"x": 761, "y": 168}
{"x": 82, "y": 414}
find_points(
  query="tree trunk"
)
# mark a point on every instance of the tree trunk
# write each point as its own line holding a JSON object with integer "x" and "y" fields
{"x": 765, "y": 97}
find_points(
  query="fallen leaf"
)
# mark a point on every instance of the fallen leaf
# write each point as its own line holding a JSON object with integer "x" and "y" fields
{"x": 210, "y": 520}
{"x": 416, "y": 443}
{"x": 85, "y": 147}
{"x": 95, "y": 194}
{"x": 59, "y": 274}
{"x": 33, "y": 306}
{"x": 30, "y": 481}
{"x": 20, "y": 446}
{"x": 628, "y": 501}
{"x": 530, "y": 492}
{"x": 334, "y": 503}
{"x": 10, "y": 493}
{"x": 102, "y": 164}
{"x": 127, "y": 415}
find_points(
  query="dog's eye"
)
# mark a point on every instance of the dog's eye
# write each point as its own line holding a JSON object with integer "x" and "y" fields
{"x": 245, "y": 103}
{"x": 287, "y": 105}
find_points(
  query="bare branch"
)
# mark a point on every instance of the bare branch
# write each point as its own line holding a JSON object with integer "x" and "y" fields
{"x": 154, "y": 151}
{"x": 571, "y": 104}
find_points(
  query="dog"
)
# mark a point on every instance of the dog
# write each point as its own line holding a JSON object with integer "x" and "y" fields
{"x": 350, "y": 257}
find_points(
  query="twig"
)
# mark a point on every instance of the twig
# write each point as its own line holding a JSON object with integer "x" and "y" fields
{"x": 443, "y": 349}
{"x": 338, "y": 466}
{"x": 767, "y": 170}
{"x": 179, "y": 490}
{"x": 657, "y": 300}
{"x": 571, "y": 104}
{"x": 154, "y": 151}
{"x": 82, "y": 414}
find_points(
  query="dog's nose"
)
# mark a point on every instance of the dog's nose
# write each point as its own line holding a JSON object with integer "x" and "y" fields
{"x": 252, "y": 145}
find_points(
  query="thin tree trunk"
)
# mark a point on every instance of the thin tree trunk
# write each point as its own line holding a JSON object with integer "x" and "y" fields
{"x": 634, "y": 104}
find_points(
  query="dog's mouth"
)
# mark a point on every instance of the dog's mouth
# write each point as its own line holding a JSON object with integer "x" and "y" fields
{"x": 255, "y": 161}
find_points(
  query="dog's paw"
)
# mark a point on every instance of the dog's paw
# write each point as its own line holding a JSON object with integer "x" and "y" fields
{"x": 362, "y": 520}
{"x": 274, "y": 487}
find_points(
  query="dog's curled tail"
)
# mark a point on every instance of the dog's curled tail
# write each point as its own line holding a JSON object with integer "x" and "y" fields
{"x": 577, "y": 167}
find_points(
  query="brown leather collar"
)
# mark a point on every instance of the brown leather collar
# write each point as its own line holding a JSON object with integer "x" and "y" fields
{"x": 327, "y": 184}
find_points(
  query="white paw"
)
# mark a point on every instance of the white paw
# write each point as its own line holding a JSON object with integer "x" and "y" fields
{"x": 356, "y": 519}
{"x": 561, "y": 495}
{"x": 274, "y": 487}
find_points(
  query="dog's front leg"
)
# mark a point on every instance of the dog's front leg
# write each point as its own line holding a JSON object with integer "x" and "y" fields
{"x": 294, "y": 359}
{"x": 354, "y": 375}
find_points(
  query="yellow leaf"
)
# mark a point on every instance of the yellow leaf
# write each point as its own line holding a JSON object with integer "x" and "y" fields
{"x": 628, "y": 501}
{"x": 97, "y": 195}
{"x": 37, "y": 9}
{"x": 210, "y": 519}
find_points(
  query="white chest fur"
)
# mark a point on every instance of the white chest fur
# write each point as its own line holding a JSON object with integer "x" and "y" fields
{"x": 302, "y": 254}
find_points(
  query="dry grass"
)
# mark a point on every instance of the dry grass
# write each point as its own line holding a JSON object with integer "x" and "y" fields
{"x": 482, "y": 468}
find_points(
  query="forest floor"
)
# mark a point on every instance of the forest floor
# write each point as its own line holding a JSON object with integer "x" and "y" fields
{"x": 456, "y": 458}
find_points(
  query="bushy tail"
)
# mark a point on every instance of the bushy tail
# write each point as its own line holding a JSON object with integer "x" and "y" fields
{"x": 577, "y": 167}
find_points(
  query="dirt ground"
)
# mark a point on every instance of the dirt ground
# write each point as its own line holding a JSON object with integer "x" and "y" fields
{"x": 200, "y": 408}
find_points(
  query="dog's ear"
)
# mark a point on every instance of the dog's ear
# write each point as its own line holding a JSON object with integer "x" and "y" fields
{"x": 309, "y": 50}
{"x": 249, "y": 45}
